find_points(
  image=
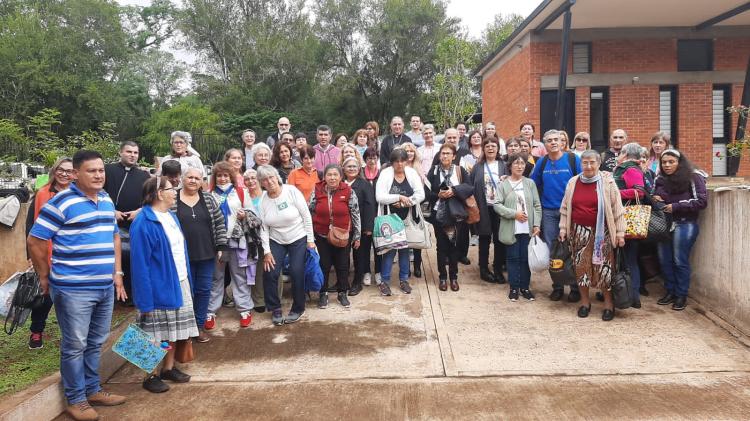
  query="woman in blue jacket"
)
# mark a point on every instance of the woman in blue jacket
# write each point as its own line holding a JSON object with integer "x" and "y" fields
{"x": 161, "y": 278}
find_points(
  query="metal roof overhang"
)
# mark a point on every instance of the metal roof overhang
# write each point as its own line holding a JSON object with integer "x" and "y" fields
{"x": 608, "y": 14}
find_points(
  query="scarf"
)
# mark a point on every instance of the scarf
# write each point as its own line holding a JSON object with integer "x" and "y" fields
{"x": 598, "y": 257}
{"x": 224, "y": 199}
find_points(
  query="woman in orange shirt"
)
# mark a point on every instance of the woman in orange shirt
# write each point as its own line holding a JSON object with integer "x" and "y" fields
{"x": 304, "y": 178}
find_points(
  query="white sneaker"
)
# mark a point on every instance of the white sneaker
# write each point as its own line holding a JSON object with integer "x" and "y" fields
{"x": 367, "y": 279}
{"x": 378, "y": 281}
{"x": 474, "y": 240}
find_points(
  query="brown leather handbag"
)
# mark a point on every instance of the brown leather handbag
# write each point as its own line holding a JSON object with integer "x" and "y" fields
{"x": 183, "y": 352}
{"x": 337, "y": 237}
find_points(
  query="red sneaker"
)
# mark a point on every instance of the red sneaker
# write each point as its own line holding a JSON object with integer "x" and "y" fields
{"x": 210, "y": 322}
{"x": 246, "y": 318}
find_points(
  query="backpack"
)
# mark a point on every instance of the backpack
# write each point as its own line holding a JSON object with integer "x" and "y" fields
{"x": 543, "y": 164}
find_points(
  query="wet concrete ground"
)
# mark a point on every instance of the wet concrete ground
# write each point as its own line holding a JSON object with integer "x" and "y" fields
{"x": 471, "y": 354}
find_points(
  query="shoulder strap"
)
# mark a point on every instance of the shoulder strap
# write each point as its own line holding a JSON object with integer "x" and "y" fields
{"x": 572, "y": 163}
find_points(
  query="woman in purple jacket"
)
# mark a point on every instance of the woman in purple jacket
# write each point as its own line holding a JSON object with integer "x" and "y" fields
{"x": 683, "y": 190}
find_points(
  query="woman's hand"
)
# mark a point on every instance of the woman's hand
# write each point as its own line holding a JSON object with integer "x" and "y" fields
{"x": 446, "y": 194}
{"x": 668, "y": 208}
{"x": 657, "y": 198}
{"x": 311, "y": 246}
{"x": 268, "y": 262}
{"x": 218, "y": 255}
{"x": 620, "y": 239}
{"x": 563, "y": 234}
{"x": 355, "y": 246}
{"x": 240, "y": 214}
{"x": 535, "y": 231}
{"x": 521, "y": 216}
{"x": 405, "y": 201}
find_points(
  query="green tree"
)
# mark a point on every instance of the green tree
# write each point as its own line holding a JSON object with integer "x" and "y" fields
{"x": 496, "y": 33}
{"x": 453, "y": 91}
{"x": 187, "y": 115}
{"x": 150, "y": 26}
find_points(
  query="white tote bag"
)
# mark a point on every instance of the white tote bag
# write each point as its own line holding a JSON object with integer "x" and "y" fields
{"x": 417, "y": 233}
{"x": 538, "y": 255}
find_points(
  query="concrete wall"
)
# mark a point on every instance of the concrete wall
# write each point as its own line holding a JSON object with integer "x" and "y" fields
{"x": 13, "y": 246}
{"x": 721, "y": 258}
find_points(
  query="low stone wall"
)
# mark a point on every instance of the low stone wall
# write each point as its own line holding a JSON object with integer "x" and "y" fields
{"x": 13, "y": 246}
{"x": 721, "y": 258}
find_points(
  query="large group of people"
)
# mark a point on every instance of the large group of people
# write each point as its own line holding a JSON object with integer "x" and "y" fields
{"x": 187, "y": 239}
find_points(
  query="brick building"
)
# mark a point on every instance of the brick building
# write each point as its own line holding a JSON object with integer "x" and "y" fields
{"x": 640, "y": 65}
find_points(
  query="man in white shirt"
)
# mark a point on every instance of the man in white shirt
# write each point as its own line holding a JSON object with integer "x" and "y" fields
{"x": 248, "y": 140}
{"x": 415, "y": 134}
{"x": 429, "y": 150}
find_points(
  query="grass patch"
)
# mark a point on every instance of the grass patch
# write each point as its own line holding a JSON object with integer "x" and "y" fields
{"x": 22, "y": 367}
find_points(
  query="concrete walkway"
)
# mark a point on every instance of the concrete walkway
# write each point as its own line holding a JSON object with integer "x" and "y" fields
{"x": 471, "y": 354}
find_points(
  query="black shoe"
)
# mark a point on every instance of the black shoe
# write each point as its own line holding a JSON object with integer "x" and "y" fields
{"x": 513, "y": 294}
{"x": 584, "y": 311}
{"x": 175, "y": 375}
{"x": 666, "y": 299}
{"x": 35, "y": 341}
{"x": 343, "y": 300}
{"x": 356, "y": 289}
{"x": 599, "y": 296}
{"x": 487, "y": 276}
{"x": 385, "y": 290}
{"x": 154, "y": 384}
{"x": 417, "y": 272}
{"x": 556, "y": 295}
{"x": 643, "y": 291}
{"x": 528, "y": 294}
{"x": 679, "y": 303}
{"x": 608, "y": 314}
{"x": 464, "y": 260}
{"x": 323, "y": 300}
{"x": 260, "y": 309}
{"x": 499, "y": 277}
{"x": 574, "y": 296}
{"x": 636, "y": 304}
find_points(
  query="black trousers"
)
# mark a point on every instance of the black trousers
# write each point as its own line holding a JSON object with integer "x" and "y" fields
{"x": 462, "y": 239}
{"x": 338, "y": 257}
{"x": 39, "y": 315}
{"x": 498, "y": 247}
{"x": 447, "y": 253}
{"x": 361, "y": 258}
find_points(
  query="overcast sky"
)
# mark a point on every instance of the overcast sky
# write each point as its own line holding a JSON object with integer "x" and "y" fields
{"x": 475, "y": 14}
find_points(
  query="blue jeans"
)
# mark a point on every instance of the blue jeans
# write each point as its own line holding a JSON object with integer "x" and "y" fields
{"x": 674, "y": 257}
{"x": 202, "y": 273}
{"x": 517, "y": 260}
{"x": 403, "y": 265}
{"x": 631, "y": 260}
{"x": 297, "y": 252}
{"x": 84, "y": 318}
{"x": 550, "y": 231}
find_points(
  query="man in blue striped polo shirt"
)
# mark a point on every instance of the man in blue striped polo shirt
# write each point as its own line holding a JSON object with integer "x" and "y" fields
{"x": 79, "y": 276}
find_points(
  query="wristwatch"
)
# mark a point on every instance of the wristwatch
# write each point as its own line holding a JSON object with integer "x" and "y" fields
{"x": 119, "y": 272}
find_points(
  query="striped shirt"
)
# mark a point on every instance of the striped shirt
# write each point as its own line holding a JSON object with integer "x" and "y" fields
{"x": 82, "y": 233}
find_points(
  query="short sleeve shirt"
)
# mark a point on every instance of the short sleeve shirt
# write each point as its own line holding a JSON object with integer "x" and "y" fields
{"x": 82, "y": 234}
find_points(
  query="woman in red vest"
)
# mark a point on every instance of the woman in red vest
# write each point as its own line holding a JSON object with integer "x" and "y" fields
{"x": 59, "y": 180}
{"x": 334, "y": 204}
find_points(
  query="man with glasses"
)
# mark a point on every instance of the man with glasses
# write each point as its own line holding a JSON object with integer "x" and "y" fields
{"x": 284, "y": 126}
{"x": 551, "y": 175}
{"x": 609, "y": 157}
{"x": 124, "y": 185}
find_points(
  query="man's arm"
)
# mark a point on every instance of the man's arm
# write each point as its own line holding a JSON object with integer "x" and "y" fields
{"x": 39, "y": 253}
{"x": 117, "y": 276}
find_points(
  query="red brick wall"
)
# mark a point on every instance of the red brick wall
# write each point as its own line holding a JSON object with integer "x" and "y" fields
{"x": 636, "y": 55}
{"x": 635, "y": 108}
{"x": 506, "y": 96}
{"x": 695, "y": 123}
{"x": 583, "y": 110}
{"x": 731, "y": 53}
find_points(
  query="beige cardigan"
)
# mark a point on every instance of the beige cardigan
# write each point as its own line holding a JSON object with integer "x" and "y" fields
{"x": 614, "y": 212}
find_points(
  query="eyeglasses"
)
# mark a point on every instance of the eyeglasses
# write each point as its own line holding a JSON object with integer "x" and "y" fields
{"x": 371, "y": 158}
{"x": 63, "y": 172}
{"x": 169, "y": 189}
{"x": 581, "y": 139}
{"x": 283, "y": 124}
{"x": 179, "y": 142}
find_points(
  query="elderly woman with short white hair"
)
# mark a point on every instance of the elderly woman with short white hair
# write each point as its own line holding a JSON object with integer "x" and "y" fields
{"x": 183, "y": 153}
{"x": 261, "y": 154}
{"x": 287, "y": 231}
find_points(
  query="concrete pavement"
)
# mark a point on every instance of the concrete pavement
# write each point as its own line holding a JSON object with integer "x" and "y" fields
{"x": 471, "y": 354}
